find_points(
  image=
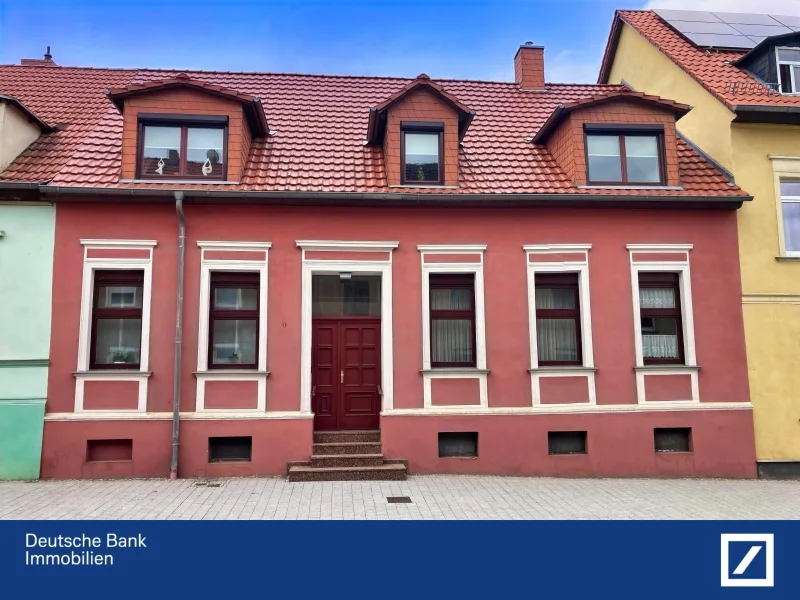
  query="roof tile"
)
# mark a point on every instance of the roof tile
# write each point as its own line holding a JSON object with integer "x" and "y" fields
{"x": 319, "y": 125}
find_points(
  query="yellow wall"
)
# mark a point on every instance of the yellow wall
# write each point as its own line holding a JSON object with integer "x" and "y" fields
{"x": 16, "y": 134}
{"x": 771, "y": 287}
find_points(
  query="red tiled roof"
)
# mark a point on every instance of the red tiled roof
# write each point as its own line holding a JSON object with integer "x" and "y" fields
{"x": 564, "y": 109}
{"x": 712, "y": 69}
{"x": 27, "y": 112}
{"x": 319, "y": 126}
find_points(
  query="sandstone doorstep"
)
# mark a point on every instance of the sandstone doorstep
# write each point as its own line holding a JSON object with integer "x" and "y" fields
{"x": 347, "y": 456}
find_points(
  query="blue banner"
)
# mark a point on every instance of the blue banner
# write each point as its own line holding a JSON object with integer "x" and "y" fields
{"x": 410, "y": 559}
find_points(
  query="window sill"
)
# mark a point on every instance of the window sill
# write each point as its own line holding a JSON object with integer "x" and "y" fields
{"x": 232, "y": 373}
{"x": 632, "y": 186}
{"x": 562, "y": 369}
{"x": 667, "y": 368}
{"x": 787, "y": 258}
{"x": 182, "y": 181}
{"x": 454, "y": 371}
{"x": 120, "y": 373}
{"x": 423, "y": 186}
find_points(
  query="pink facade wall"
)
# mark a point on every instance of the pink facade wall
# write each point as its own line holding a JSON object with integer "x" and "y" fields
{"x": 564, "y": 390}
{"x": 231, "y": 394}
{"x": 110, "y": 395}
{"x": 715, "y": 282}
{"x": 618, "y": 444}
{"x": 454, "y": 392}
{"x": 667, "y": 387}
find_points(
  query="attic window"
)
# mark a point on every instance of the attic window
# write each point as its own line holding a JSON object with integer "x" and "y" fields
{"x": 422, "y": 153}
{"x": 789, "y": 70}
{"x": 624, "y": 157}
{"x": 183, "y": 147}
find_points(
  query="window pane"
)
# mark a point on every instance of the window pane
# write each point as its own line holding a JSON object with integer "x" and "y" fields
{"x": 234, "y": 342}
{"x": 604, "y": 163}
{"x": 119, "y": 296}
{"x": 789, "y": 55}
{"x": 557, "y": 339}
{"x": 235, "y": 298}
{"x": 451, "y": 341}
{"x": 796, "y": 71}
{"x": 457, "y": 299}
{"x": 790, "y": 188}
{"x": 161, "y": 154}
{"x": 204, "y": 152}
{"x": 786, "y": 78}
{"x": 555, "y": 298}
{"x": 657, "y": 297}
{"x": 641, "y": 155}
{"x": 118, "y": 341}
{"x": 422, "y": 156}
{"x": 660, "y": 337}
{"x": 332, "y": 296}
{"x": 791, "y": 226}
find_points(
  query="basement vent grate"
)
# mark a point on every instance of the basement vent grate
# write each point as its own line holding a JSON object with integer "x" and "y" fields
{"x": 398, "y": 500}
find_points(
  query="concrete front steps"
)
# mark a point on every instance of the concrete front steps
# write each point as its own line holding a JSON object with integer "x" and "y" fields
{"x": 348, "y": 456}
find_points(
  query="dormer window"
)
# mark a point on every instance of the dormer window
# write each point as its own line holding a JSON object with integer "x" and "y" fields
{"x": 175, "y": 147}
{"x": 624, "y": 157}
{"x": 789, "y": 70}
{"x": 422, "y": 153}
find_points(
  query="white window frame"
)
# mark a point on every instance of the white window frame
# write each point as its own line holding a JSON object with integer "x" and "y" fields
{"x": 581, "y": 267}
{"x": 90, "y": 267}
{"x": 203, "y": 373}
{"x": 795, "y": 84}
{"x": 784, "y": 167}
{"x": 480, "y": 370}
{"x": 682, "y": 269}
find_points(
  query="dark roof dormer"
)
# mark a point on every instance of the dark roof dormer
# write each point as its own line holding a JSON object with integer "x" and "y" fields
{"x": 776, "y": 62}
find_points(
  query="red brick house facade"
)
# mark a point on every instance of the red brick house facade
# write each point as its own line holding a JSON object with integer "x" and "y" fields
{"x": 382, "y": 274}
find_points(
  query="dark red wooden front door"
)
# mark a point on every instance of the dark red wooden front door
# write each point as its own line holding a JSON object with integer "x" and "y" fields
{"x": 345, "y": 373}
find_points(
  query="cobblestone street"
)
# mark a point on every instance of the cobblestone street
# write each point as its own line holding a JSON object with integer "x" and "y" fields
{"x": 432, "y": 497}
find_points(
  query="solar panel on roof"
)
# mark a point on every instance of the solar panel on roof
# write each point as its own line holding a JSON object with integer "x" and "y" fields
{"x": 761, "y": 30}
{"x": 703, "y": 27}
{"x": 741, "y": 31}
{"x": 744, "y": 18}
{"x": 786, "y": 20}
{"x": 687, "y": 15}
{"x": 716, "y": 40}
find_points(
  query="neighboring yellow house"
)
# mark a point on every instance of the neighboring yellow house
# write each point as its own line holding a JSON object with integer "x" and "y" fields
{"x": 745, "y": 90}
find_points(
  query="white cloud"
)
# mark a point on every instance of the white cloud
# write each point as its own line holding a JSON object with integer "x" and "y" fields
{"x": 775, "y": 7}
{"x": 574, "y": 66}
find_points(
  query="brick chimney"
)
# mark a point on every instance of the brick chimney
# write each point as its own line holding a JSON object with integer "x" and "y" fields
{"x": 529, "y": 67}
{"x": 47, "y": 61}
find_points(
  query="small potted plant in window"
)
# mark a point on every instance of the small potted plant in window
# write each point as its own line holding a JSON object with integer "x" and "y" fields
{"x": 234, "y": 357}
{"x": 119, "y": 356}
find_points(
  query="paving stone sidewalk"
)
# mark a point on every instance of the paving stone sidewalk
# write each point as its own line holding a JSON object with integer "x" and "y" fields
{"x": 432, "y": 496}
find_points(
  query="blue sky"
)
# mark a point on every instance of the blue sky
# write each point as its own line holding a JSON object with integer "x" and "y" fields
{"x": 474, "y": 39}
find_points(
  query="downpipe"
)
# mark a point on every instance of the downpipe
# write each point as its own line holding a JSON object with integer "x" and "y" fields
{"x": 176, "y": 384}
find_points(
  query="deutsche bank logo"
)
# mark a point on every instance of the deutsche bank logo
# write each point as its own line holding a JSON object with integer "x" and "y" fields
{"x": 748, "y": 559}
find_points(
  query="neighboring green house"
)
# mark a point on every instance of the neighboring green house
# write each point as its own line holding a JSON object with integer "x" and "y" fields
{"x": 26, "y": 273}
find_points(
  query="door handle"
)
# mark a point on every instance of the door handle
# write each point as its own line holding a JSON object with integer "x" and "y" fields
{"x": 341, "y": 376}
{"x": 313, "y": 390}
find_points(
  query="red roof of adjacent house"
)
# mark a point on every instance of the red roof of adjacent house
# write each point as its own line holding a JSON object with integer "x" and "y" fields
{"x": 319, "y": 124}
{"x": 713, "y": 69}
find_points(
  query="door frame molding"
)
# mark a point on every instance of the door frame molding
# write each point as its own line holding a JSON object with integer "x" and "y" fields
{"x": 362, "y": 267}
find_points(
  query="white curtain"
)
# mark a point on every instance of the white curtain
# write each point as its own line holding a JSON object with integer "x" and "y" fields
{"x": 118, "y": 341}
{"x": 557, "y": 339}
{"x": 657, "y": 297}
{"x": 660, "y": 346}
{"x": 451, "y": 340}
